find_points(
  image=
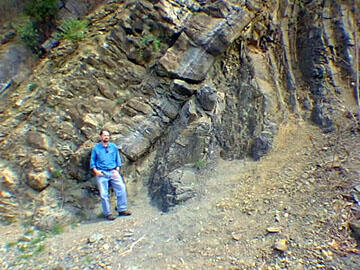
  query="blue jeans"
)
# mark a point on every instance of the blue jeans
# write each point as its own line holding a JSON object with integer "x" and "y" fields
{"x": 119, "y": 188}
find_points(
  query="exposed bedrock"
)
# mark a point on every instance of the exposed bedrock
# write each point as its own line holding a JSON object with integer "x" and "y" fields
{"x": 179, "y": 84}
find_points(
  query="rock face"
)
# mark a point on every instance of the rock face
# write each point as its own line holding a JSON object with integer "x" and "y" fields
{"x": 178, "y": 83}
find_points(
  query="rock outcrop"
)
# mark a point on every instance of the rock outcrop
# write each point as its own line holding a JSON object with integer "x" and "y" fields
{"x": 178, "y": 83}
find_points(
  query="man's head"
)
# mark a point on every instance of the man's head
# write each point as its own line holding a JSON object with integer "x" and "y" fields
{"x": 105, "y": 135}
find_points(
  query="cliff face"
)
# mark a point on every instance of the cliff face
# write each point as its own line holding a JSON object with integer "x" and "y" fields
{"x": 178, "y": 83}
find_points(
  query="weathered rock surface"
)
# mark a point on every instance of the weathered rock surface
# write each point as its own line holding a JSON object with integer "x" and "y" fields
{"x": 178, "y": 83}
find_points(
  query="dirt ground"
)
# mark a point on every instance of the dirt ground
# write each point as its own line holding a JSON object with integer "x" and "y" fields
{"x": 290, "y": 210}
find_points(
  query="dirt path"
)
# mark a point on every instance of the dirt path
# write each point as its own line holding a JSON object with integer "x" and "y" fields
{"x": 286, "y": 211}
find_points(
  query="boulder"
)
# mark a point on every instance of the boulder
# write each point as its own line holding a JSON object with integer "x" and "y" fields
{"x": 262, "y": 145}
{"x": 38, "y": 140}
{"x": 38, "y": 180}
{"x": 185, "y": 61}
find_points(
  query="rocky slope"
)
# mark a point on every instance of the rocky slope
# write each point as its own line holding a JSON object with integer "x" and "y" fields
{"x": 290, "y": 210}
{"x": 179, "y": 83}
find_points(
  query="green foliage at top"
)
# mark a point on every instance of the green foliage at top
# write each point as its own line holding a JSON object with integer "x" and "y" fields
{"x": 41, "y": 10}
{"x": 30, "y": 35}
{"x": 39, "y": 23}
{"x": 73, "y": 29}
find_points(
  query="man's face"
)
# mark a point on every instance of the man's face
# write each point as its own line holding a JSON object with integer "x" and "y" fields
{"x": 105, "y": 136}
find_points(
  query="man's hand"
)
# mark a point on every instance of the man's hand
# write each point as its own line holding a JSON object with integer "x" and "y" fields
{"x": 116, "y": 174}
{"x": 97, "y": 173}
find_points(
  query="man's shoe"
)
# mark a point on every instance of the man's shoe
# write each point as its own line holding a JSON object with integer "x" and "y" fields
{"x": 110, "y": 217}
{"x": 125, "y": 213}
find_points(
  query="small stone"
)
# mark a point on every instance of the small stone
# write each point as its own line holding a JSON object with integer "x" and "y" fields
{"x": 5, "y": 194}
{"x": 236, "y": 236}
{"x": 273, "y": 229}
{"x": 95, "y": 237}
{"x": 281, "y": 245}
{"x": 327, "y": 254}
{"x": 25, "y": 238}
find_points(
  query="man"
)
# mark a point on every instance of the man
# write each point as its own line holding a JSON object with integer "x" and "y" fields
{"x": 105, "y": 163}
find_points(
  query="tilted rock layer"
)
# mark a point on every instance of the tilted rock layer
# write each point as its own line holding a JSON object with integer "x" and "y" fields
{"x": 178, "y": 83}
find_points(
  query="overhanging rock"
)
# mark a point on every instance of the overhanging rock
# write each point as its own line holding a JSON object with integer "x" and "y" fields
{"x": 204, "y": 37}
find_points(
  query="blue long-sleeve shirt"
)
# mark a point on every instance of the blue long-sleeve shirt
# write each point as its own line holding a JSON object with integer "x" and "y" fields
{"x": 105, "y": 158}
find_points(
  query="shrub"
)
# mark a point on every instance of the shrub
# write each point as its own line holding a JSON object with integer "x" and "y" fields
{"x": 41, "y": 10}
{"x": 151, "y": 39}
{"x": 30, "y": 35}
{"x": 57, "y": 229}
{"x": 73, "y": 29}
{"x": 57, "y": 173}
{"x": 199, "y": 164}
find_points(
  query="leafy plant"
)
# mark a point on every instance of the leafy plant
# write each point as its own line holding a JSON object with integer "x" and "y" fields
{"x": 73, "y": 29}
{"x": 57, "y": 229}
{"x": 151, "y": 39}
{"x": 57, "y": 174}
{"x": 30, "y": 35}
{"x": 199, "y": 164}
{"x": 40, "y": 248}
{"x": 41, "y": 10}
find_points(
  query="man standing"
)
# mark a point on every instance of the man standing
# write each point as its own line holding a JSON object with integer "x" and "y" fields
{"x": 105, "y": 163}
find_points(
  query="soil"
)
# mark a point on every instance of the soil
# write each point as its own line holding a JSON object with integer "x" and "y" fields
{"x": 290, "y": 210}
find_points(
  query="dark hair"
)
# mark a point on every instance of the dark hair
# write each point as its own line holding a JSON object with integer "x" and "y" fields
{"x": 104, "y": 129}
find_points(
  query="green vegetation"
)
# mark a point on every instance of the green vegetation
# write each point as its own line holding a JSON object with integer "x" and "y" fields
{"x": 87, "y": 259}
{"x": 41, "y": 11}
{"x": 32, "y": 242}
{"x": 57, "y": 229}
{"x": 57, "y": 173}
{"x": 29, "y": 35}
{"x": 199, "y": 164}
{"x": 150, "y": 39}
{"x": 73, "y": 29}
{"x": 39, "y": 22}
{"x": 10, "y": 244}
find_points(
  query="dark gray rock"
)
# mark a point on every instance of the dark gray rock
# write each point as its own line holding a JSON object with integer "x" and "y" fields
{"x": 7, "y": 37}
{"x": 50, "y": 44}
{"x": 182, "y": 88}
{"x": 262, "y": 145}
{"x": 207, "y": 97}
{"x": 355, "y": 227}
{"x": 320, "y": 117}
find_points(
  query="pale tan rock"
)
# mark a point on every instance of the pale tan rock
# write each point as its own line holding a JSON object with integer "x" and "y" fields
{"x": 38, "y": 140}
{"x": 5, "y": 194}
{"x": 65, "y": 130}
{"x": 39, "y": 162}
{"x": 9, "y": 177}
{"x": 185, "y": 61}
{"x": 236, "y": 236}
{"x": 281, "y": 245}
{"x": 273, "y": 229}
{"x": 38, "y": 181}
